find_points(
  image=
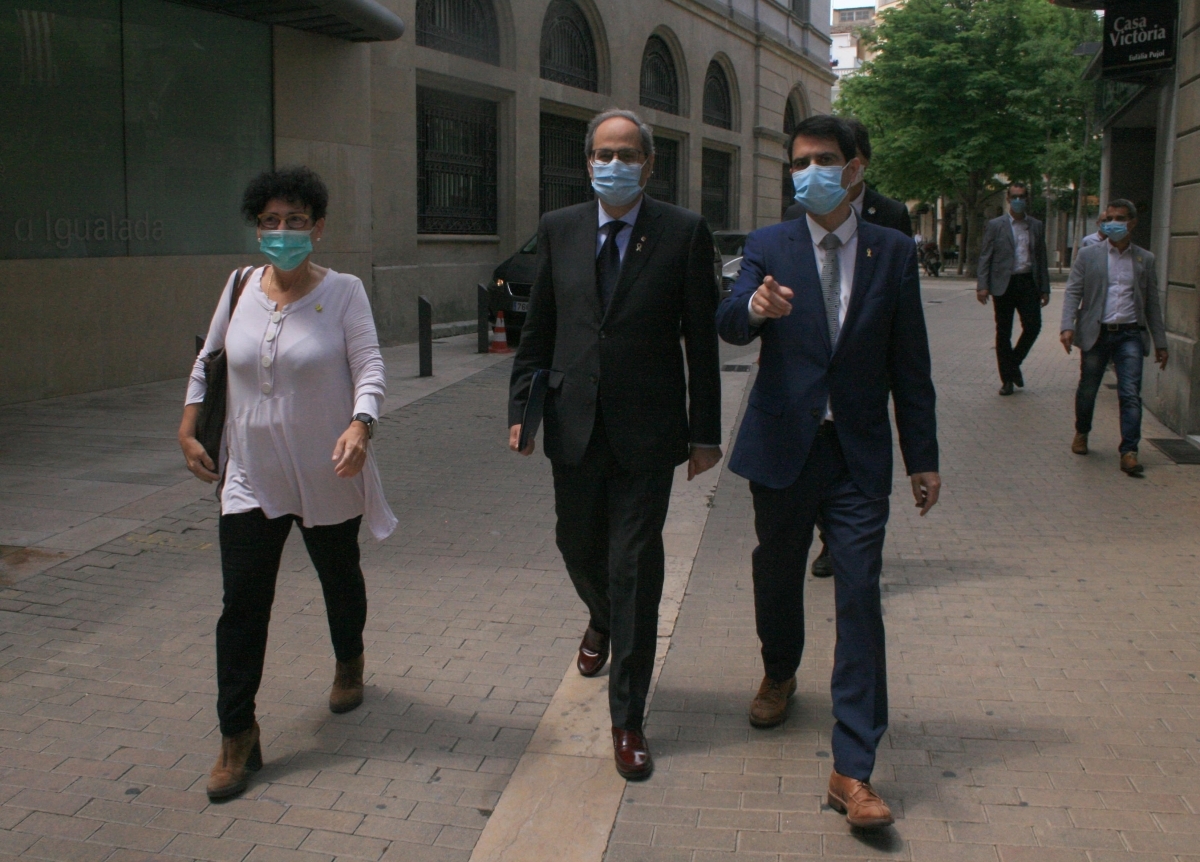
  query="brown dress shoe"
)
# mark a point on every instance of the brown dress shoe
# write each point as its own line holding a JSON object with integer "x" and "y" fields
{"x": 347, "y": 690}
{"x": 240, "y": 755}
{"x": 1079, "y": 444}
{"x": 593, "y": 652}
{"x": 861, "y": 805}
{"x": 770, "y": 705}
{"x": 1130, "y": 465}
{"x": 632, "y": 754}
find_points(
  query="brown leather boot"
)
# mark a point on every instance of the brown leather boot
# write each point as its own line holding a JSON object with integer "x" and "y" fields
{"x": 861, "y": 805}
{"x": 1079, "y": 444}
{"x": 770, "y": 705}
{"x": 1130, "y": 465}
{"x": 240, "y": 755}
{"x": 347, "y": 690}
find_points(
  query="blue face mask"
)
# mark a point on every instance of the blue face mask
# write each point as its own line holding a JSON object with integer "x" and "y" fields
{"x": 617, "y": 184}
{"x": 286, "y": 249}
{"x": 1115, "y": 230}
{"x": 1017, "y": 205}
{"x": 819, "y": 188}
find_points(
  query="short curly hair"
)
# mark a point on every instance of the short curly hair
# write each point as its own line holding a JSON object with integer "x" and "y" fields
{"x": 298, "y": 185}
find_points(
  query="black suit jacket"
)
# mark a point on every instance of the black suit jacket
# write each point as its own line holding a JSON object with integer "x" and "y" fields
{"x": 627, "y": 358}
{"x": 877, "y": 209}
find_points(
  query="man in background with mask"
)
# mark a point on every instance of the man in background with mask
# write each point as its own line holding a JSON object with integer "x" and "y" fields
{"x": 619, "y": 280}
{"x": 1013, "y": 268}
{"x": 837, "y": 304}
{"x": 1111, "y": 309}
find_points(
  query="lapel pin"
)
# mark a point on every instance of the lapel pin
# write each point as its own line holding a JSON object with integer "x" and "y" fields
{"x": 319, "y": 309}
{"x": 639, "y": 245}
{"x": 871, "y": 211}
{"x": 868, "y": 252}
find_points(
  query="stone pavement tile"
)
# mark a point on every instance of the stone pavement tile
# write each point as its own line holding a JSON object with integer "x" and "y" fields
{"x": 1041, "y": 636}
{"x": 107, "y": 697}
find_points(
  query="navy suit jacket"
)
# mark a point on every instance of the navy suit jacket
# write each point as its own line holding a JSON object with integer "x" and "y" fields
{"x": 882, "y": 345}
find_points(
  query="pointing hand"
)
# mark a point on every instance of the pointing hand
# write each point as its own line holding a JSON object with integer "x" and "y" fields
{"x": 772, "y": 299}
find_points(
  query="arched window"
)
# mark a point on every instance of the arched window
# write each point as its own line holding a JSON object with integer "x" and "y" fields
{"x": 660, "y": 84}
{"x": 789, "y": 118}
{"x": 568, "y": 52}
{"x": 464, "y": 27}
{"x": 718, "y": 104}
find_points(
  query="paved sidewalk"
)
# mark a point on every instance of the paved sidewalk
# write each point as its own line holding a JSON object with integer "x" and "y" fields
{"x": 1042, "y": 621}
{"x": 1043, "y": 627}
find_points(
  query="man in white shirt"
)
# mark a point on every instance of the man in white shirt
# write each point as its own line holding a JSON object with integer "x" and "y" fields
{"x": 1013, "y": 269}
{"x": 1112, "y": 310}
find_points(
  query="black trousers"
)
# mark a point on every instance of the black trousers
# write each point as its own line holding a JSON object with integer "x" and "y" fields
{"x": 609, "y": 531}
{"x": 1023, "y": 297}
{"x": 251, "y": 547}
{"x": 854, "y": 526}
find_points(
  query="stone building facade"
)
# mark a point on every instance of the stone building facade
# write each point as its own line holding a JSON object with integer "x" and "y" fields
{"x": 441, "y": 148}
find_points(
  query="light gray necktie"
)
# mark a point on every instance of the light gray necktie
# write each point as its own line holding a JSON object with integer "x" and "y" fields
{"x": 831, "y": 283}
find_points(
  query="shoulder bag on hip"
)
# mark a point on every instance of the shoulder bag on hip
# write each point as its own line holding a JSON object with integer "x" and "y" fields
{"x": 210, "y": 425}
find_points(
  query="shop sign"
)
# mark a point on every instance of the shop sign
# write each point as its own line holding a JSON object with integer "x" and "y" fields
{"x": 1139, "y": 37}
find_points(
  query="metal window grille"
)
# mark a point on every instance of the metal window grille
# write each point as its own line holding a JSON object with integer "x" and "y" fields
{"x": 564, "y": 179}
{"x": 714, "y": 188}
{"x": 718, "y": 105}
{"x": 800, "y": 8}
{"x": 568, "y": 51}
{"x": 660, "y": 83}
{"x": 464, "y": 27}
{"x": 456, "y": 163}
{"x": 663, "y": 184}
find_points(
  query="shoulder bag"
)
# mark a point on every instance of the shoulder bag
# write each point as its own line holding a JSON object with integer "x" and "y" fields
{"x": 210, "y": 425}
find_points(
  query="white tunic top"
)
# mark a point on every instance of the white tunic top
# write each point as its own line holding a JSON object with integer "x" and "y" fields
{"x": 296, "y": 377}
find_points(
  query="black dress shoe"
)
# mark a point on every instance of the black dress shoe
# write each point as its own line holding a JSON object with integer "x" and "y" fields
{"x": 632, "y": 754}
{"x": 593, "y": 652}
{"x": 1018, "y": 378}
{"x": 1007, "y": 388}
{"x": 822, "y": 567}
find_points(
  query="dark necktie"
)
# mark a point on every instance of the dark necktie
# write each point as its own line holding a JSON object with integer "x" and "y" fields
{"x": 608, "y": 264}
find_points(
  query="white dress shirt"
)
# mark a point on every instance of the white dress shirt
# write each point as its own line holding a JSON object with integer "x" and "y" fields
{"x": 1118, "y": 301}
{"x": 1020, "y": 235}
{"x": 857, "y": 203}
{"x": 847, "y": 252}
{"x": 624, "y": 233}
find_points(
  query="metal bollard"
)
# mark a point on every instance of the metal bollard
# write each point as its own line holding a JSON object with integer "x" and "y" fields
{"x": 483, "y": 342}
{"x": 425, "y": 335}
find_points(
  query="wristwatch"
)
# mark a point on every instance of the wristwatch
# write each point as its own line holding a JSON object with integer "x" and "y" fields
{"x": 368, "y": 420}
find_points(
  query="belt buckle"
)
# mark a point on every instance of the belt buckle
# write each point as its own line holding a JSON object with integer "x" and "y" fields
{"x": 1113, "y": 327}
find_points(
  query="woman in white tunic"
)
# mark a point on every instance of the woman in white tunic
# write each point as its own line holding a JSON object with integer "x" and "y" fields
{"x": 306, "y": 384}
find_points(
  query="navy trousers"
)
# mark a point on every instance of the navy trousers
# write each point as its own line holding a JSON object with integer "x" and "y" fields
{"x": 854, "y": 527}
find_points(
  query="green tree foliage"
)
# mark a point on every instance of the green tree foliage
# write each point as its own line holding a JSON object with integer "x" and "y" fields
{"x": 962, "y": 90}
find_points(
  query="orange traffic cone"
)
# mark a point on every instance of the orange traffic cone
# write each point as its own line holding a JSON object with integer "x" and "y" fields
{"x": 499, "y": 343}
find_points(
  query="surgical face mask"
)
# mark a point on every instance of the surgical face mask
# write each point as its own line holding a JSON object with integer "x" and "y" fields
{"x": 286, "y": 249}
{"x": 617, "y": 184}
{"x": 1017, "y": 205}
{"x": 819, "y": 188}
{"x": 1115, "y": 230}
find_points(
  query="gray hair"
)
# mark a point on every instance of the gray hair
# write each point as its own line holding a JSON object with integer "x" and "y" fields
{"x": 612, "y": 113}
{"x": 1121, "y": 203}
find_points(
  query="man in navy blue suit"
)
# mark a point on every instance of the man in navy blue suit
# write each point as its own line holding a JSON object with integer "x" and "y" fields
{"x": 837, "y": 304}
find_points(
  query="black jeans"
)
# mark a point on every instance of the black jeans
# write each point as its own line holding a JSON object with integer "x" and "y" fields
{"x": 251, "y": 547}
{"x": 1023, "y": 297}
{"x": 609, "y": 531}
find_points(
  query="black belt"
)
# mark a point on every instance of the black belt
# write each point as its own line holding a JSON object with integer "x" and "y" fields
{"x": 1122, "y": 327}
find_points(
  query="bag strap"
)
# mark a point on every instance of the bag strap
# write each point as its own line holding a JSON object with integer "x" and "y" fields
{"x": 241, "y": 276}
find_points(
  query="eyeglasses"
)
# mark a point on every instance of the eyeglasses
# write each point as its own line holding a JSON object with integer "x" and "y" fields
{"x": 293, "y": 221}
{"x": 627, "y": 155}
